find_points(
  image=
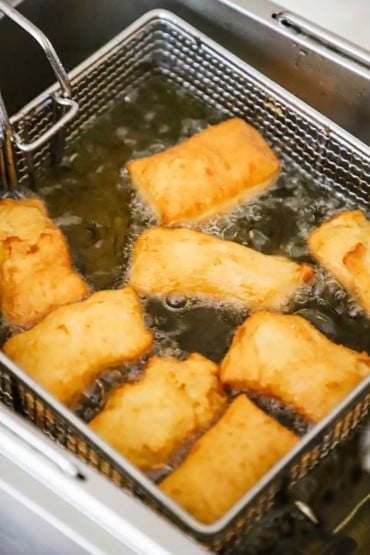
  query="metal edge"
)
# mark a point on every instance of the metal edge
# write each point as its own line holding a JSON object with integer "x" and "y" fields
{"x": 331, "y": 41}
{"x": 205, "y": 532}
{"x": 74, "y": 73}
{"x": 362, "y": 389}
{"x": 337, "y": 49}
{"x": 117, "y": 512}
{"x": 242, "y": 68}
{"x": 328, "y": 126}
{"x": 81, "y": 426}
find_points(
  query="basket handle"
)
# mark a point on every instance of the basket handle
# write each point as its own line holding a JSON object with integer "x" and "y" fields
{"x": 64, "y": 99}
{"x": 8, "y": 176}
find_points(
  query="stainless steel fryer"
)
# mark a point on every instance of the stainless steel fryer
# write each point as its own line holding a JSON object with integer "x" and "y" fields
{"x": 162, "y": 43}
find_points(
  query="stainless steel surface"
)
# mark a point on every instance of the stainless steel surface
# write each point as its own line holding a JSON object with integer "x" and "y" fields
{"x": 328, "y": 81}
{"x": 298, "y": 25}
{"x": 162, "y": 43}
{"x": 346, "y": 19}
{"x": 245, "y": 27}
{"x": 44, "y": 511}
{"x": 48, "y": 450}
{"x": 24, "y": 531}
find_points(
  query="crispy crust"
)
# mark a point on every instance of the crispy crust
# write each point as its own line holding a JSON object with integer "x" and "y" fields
{"x": 73, "y": 344}
{"x": 36, "y": 273}
{"x": 286, "y": 357}
{"x": 191, "y": 263}
{"x": 146, "y": 421}
{"x": 228, "y": 460}
{"x": 342, "y": 246}
{"x": 206, "y": 174}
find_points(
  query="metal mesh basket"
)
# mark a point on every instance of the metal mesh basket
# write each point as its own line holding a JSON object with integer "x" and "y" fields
{"x": 161, "y": 43}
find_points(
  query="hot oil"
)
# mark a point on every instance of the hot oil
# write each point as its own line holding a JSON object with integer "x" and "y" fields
{"x": 90, "y": 194}
{"x": 91, "y": 198}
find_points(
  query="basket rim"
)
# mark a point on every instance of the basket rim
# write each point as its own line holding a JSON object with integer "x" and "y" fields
{"x": 332, "y": 129}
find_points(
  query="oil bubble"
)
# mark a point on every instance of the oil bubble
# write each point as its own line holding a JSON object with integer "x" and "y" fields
{"x": 176, "y": 301}
{"x": 258, "y": 240}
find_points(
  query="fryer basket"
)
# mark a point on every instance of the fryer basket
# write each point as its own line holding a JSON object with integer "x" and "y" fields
{"x": 162, "y": 43}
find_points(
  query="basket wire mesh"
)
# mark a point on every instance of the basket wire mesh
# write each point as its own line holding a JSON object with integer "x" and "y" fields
{"x": 162, "y": 43}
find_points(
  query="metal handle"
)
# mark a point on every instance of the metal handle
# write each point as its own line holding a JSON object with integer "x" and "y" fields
{"x": 45, "y": 44}
{"x": 64, "y": 100}
{"x": 30, "y": 437}
{"x": 296, "y": 24}
{"x": 8, "y": 177}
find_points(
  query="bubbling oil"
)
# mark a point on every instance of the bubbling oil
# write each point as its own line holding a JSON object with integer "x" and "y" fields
{"x": 91, "y": 198}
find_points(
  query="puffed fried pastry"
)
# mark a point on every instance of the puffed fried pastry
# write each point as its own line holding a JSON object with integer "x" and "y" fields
{"x": 72, "y": 345}
{"x": 286, "y": 357}
{"x": 206, "y": 174}
{"x": 36, "y": 274}
{"x": 192, "y": 263}
{"x": 342, "y": 246}
{"x": 148, "y": 420}
{"x": 228, "y": 460}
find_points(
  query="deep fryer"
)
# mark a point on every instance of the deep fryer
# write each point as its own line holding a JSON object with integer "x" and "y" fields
{"x": 162, "y": 43}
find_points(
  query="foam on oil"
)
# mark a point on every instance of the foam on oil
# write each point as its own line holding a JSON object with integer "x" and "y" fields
{"x": 91, "y": 198}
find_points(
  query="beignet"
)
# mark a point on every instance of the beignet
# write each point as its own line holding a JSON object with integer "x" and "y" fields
{"x": 342, "y": 246}
{"x": 228, "y": 460}
{"x": 206, "y": 174}
{"x": 286, "y": 357}
{"x": 147, "y": 420}
{"x": 36, "y": 274}
{"x": 192, "y": 263}
{"x": 73, "y": 344}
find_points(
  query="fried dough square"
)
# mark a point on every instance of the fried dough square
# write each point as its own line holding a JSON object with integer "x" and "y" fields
{"x": 206, "y": 174}
{"x": 148, "y": 420}
{"x": 228, "y": 460}
{"x": 342, "y": 246}
{"x": 286, "y": 357}
{"x": 75, "y": 343}
{"x": 191, "y": 263}
{"x": 36, "y": 274}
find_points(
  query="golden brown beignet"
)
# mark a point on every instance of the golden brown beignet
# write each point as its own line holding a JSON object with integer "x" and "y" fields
{"x": 73, "y": 344}
{"x": 147, "y": 420}
{"x": 206, "y": 174}
{"x": 36, "y": 274}
{"x": 286, "y": 357}
{"x": 192, "y": 263}
{"x": 342, "y": 246}
{"x": 228, "y": 460}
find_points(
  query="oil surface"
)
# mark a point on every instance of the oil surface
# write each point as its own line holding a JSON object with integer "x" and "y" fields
{"x": 91, "y": 198}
